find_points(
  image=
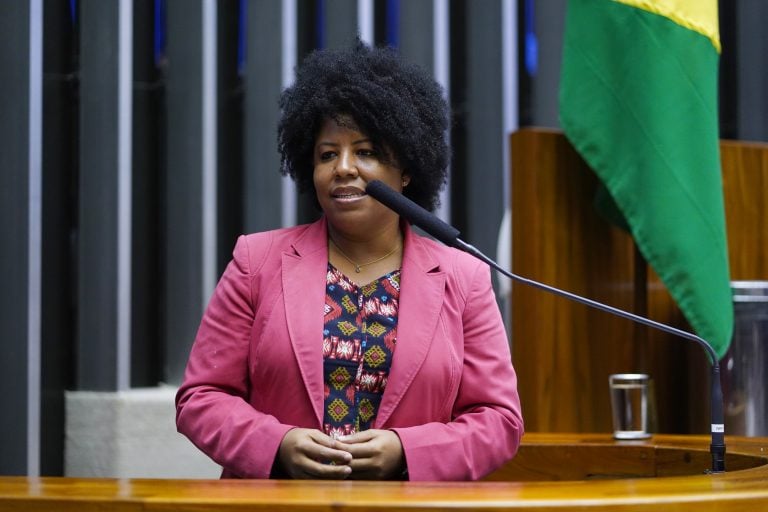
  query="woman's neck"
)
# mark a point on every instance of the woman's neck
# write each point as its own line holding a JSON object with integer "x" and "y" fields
{"x": 365, "y": 258}
{"x": 362, "y": 247}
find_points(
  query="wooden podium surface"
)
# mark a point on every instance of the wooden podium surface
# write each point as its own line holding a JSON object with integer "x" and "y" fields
{"x": 553, "y": 472}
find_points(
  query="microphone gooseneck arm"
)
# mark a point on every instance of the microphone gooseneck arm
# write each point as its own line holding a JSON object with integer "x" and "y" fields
{"x": 450, "y": 236}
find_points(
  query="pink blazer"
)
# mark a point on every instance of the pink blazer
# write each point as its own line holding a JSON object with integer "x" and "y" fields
{"x": 256, "y": 367}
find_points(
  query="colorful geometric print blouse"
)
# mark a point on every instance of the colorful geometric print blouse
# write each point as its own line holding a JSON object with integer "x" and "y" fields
{"x": 359, "y": 336}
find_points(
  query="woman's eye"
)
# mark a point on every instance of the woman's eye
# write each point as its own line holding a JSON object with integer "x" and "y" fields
{"x": 367, "y": 152}
{"x": 326, "y": 155}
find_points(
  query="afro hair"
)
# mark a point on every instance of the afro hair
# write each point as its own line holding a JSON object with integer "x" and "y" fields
{"x": 397, "y": 105}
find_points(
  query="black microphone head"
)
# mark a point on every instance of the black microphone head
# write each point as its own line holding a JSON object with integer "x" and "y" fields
{"x": 412, "y": 212}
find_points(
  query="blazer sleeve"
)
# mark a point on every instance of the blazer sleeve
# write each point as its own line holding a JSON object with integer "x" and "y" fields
{"x": 212, "y": 407}
{"x": 487, "y": 424}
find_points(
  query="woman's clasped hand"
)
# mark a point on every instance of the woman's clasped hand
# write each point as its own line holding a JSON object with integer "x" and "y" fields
{"x": 369, "y": 455}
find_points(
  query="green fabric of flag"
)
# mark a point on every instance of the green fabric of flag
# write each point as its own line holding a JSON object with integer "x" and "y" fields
{"x": 638, "y": 101}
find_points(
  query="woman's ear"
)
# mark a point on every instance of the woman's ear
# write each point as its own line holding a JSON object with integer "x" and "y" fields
{"x": 406, "y": 180}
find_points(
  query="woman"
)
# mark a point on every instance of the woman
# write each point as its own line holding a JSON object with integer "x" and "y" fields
{"x": 311, "y": 360}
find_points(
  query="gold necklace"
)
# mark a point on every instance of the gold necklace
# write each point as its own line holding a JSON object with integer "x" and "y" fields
{"x": 358, "y": 266}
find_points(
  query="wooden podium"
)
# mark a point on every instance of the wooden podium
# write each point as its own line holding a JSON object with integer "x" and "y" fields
{"x": 552, "y": 472}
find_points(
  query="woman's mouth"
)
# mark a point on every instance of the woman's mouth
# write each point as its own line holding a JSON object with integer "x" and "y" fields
{"x": 348, "y": 194}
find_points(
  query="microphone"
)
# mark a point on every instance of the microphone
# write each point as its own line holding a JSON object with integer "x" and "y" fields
{"x": 449, "y": 235}
{"x": 414, "y": 213}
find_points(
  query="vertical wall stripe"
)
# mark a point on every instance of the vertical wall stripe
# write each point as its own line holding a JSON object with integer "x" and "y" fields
{"x": 531, "y": 47}
{"x": 124, "y": 191}
{"x": 510, "y": 121}
{"x": 320, "y": 10}
{"x": 34, "y": 295}
{"x": 392, "y": 23}
{"x": 442, "y": 67}
{"x": 509, "y": 83}
{"x": 288, "y": 42}
{"x": 289, "y": 45}
{"x": 365, "y": 20}
{"x": 209, "y": 149}
{"x": 242, "y": 35}
{"x": 159, "y": 32}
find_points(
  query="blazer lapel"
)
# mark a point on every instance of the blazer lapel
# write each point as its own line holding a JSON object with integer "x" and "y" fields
{"x": 303, "y": 279}
{"x": 421, "y": 298}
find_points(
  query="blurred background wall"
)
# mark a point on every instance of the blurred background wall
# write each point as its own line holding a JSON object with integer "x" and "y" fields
{"x": 137, "y": 140}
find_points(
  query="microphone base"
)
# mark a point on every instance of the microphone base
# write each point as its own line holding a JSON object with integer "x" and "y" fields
{"x": 718, "y": 459}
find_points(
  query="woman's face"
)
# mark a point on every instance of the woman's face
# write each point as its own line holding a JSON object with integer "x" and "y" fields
{"x": 345, "y": 160}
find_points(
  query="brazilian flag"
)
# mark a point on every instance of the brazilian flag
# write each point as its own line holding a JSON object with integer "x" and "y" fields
{"x": 638, "y": 101}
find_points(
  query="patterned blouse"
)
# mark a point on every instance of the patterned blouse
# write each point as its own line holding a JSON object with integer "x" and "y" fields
{"x": 359, "y": 337}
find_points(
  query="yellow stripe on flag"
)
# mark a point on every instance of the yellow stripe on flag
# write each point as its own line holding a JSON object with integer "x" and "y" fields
{"x": 697, "y": 15}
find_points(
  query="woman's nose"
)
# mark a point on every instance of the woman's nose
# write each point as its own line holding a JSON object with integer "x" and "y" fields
{"x": 346, "y": 164}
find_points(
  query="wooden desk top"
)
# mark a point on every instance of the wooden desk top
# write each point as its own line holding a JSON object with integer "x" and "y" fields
{"x": 553, "y": 472}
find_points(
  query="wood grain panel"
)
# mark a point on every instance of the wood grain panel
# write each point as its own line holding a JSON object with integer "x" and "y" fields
{"x": 563, "y": 352}
{"x": 745, "y": 187}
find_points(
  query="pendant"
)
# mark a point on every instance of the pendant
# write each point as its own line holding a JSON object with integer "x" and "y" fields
{"x": 357, "y": 269}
